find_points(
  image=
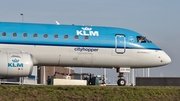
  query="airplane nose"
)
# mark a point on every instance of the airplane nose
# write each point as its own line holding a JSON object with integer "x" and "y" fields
{"x": 167, "y": 59}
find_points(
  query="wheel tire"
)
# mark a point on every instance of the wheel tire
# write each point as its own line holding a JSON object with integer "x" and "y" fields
{"x": 121, "y": 82}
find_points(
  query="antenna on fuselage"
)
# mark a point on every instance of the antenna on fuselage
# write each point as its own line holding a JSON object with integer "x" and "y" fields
{"x": 57, "y": 23}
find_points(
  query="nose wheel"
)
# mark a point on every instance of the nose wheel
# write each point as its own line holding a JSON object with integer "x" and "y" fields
{"x": 121, "y": 82}
{"x": 121, "y": 70}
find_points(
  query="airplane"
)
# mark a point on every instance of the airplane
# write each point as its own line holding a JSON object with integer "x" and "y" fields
{"x": 24, "y": 45}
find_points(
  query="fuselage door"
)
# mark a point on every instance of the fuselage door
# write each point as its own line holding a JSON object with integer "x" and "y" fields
{"x": 120, "y": 44}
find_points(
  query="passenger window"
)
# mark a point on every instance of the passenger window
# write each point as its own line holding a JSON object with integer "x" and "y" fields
{"x": 35, "y": 35}
{"x": 76, "y": 37}
{"x": 14, "y": 34}
{"x": 3, "y": 33}
{"x": 86, "y": 37}
{"x": 141, "y": 39}
{"x": 55, "y": 36}
{"x": 25, "y": 35}
{"x": 65, "y": 36}
{"x": 45, "y": 35}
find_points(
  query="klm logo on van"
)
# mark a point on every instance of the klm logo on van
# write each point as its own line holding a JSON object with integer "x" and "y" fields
{"x": 15, "y": 63}
{"x": 87, "y": 32}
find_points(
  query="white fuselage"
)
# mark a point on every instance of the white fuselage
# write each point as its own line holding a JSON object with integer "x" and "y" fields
{"x": 104, "y": 57}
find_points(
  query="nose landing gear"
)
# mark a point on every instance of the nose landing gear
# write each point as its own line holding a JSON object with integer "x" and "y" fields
{"x": 121, "y": 82}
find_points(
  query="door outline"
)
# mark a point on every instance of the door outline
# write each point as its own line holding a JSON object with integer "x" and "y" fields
{"x": 120, "y": 43}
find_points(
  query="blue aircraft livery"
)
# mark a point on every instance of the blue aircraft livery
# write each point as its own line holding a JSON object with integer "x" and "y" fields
{"x": 74, "y": 46}
{"x": 71, "y": 36}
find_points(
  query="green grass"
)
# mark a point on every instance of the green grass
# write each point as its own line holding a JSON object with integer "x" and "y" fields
{"x": 88, "y": 93}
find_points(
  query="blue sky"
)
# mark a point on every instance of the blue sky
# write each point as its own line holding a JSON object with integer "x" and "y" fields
{"x": 158, "y": 20}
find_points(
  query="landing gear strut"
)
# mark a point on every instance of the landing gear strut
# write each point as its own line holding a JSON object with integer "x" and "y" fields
{"x": 121, "y": 81}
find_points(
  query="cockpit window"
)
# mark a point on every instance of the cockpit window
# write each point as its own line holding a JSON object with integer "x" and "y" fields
{"x": 142, "y": 39}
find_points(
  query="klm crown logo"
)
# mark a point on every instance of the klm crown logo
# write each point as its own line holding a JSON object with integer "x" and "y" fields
{"x": 15, "y": 60}
{"x": 87, "y": 29}
{"x": 15, "y": 63}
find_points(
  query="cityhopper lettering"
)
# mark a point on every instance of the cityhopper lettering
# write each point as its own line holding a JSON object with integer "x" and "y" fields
{"x": 87, "y": 32}
{"x": 15, "y": 63}
{"x": 84, "y": 49}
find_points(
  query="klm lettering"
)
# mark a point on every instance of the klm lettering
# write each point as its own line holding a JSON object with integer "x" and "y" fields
{"x": 15, "y": 64}
{"x": 87, "y": 32}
